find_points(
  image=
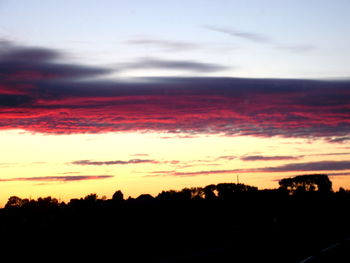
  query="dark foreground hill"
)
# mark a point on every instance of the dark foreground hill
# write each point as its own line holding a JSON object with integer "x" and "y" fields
{"x": 241, "y": 226}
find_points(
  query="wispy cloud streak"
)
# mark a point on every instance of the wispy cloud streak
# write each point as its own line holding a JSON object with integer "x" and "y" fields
{"x": 326, "y": 166}
{"x": 59, "y": 178}
{"x": 260, "y": 38}
{"x": 98, "y": 163}
{"x": 162, "y": 64}
{"x": 166, "y": 45}
{"x": 268, "y": 158}
{"x": 240, "y": 34}
{"x": 188, "y": 174}
{"x": 308, "y": 166}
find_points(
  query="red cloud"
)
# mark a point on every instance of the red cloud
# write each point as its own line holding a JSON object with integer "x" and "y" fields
{"x": 39, "y": 94}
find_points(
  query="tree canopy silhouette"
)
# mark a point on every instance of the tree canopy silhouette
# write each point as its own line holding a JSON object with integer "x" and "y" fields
{"x": 209, "y": 192}
{"x": 118, "y": 196}
{"x": 14, "y": 201}
{"x": 306, "y": 183}
{"x": 223, "y": 222}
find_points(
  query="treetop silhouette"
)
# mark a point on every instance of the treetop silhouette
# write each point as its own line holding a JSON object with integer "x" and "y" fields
{"x": 306, "y": 183}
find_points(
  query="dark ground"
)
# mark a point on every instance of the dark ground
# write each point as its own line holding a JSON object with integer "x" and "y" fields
{"x": 263, "y": 226}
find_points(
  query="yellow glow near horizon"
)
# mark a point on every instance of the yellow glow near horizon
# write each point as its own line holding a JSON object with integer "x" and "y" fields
{"x": 26, "y": 155}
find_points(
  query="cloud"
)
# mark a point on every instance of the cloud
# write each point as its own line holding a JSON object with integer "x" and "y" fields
{"x": 240, "y": 34}
{"x": 268, "y": 158}
{"x": 338, "y": 174}
{"x": 302, "y": 167}
{"x": 21, "y": 67}
{"x": 291, "y": 167}
{"x": 97, "y": 163}
{"x": 165, "y": 45}
{"x": 259, "y": 38}
{"x": 177, "y": 136}
{"x": 203, "y": 172}
{"x": 59, "y": 178}
{"x": 329, "y": 174}
{"x": 227, "y": 157}
{"x": 39, "y": 92}
{"x": 161, "y": 64}
{"x": 339, "y": 139}
{"x": 328, "y": 154}
{"x": 7, "y": 164}
{"x": 188, "y": 174}
{"x": 299, "y": 48}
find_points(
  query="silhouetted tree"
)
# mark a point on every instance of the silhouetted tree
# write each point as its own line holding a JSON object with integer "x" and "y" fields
{"x": 210, "y": 192}
{"x": 118, "y": 196}
{"x": 167, "y": 195}
{"x": 306, "y": 183}
{"x": 47, "y": 202}
{"x": 144, "y": 198}
{"x": 197, "y": 193}
{"x": 234, "y": 222}
{"x": 226, "y": 190}
{"x": 185, "y": 194}
{"x": 91, "y": 198}
{"x": 14, "y": 201}
{"x": 172, "y": 195}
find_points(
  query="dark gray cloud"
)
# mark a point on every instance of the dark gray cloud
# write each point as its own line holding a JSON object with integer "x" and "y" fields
{"x": 162, "y": 64}
{"x": 11, "y": 100}
{"x": 59, "y": 178}
{"x": 291, "y": 167}
{"x": 303, "y": 167}
{"x": 166, "y": 45}
{"x": 11, "y": 52}
{"x": 339, "y": 174}
{"x": 329, "y": 174}
{"x": 268, "y": 158}
{"x": 132, "y": 161}
{"x": 339, "y": 140}
{"x": 19, "y": 65}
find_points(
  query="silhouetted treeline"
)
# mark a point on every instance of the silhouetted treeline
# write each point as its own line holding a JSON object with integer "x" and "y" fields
{"x": 217, "y": 223}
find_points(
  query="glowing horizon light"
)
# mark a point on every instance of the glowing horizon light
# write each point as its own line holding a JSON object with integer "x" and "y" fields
{"x": 138, "y": 163}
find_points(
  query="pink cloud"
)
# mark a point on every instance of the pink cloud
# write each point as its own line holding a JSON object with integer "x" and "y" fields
{"x": 39, "y": 92}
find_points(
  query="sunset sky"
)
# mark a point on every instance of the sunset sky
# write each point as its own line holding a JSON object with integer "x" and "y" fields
{"x": 144, "y": 96}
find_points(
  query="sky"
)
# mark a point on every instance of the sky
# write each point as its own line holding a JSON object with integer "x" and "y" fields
{"x": 145, "y": 96}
